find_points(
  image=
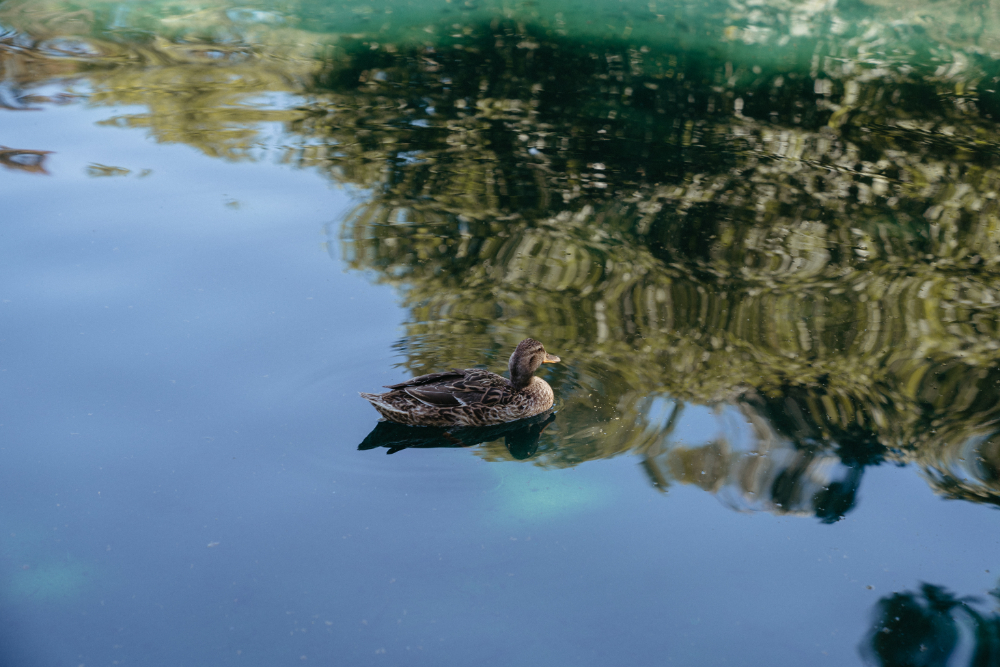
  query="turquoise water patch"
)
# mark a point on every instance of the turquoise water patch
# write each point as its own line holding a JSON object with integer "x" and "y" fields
{"x": 530, "y": 493}
{"x": 32, "y": 572}
{"x": 50, "y": 581}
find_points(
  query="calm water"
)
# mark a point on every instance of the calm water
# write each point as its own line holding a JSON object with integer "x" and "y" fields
{"x": 764, "y": 238}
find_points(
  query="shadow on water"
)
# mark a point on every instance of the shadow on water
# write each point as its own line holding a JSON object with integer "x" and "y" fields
{"x": 791, "y": 223}
{"x": 931, "y": 627}
{"x": 520, "y": 438}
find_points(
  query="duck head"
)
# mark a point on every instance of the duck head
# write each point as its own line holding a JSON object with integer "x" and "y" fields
{"x": 525, "y": 360}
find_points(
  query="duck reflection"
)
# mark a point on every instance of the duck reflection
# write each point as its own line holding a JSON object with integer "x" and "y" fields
{"x": 520, "y": 437}
{"x": 931, "y": 628}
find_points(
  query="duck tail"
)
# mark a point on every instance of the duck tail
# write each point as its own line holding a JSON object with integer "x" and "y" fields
{"x": 380, "y": 405}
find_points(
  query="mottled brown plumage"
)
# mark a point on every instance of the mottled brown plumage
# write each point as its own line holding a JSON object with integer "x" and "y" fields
{"x": 471, "y": 397}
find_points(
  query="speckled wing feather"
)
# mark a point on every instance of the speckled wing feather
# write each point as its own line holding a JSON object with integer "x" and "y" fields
{"x": 453, "y": 374}
{"x": 456, "y": 388}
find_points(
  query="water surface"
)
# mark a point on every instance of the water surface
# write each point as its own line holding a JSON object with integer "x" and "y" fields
{"x": 762, "y": 237}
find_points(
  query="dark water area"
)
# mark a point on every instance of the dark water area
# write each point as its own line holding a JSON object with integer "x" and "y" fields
{"x": 763, "y": 238}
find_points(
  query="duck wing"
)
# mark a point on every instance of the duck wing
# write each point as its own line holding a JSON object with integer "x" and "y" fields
{"x": 431, "y": 378}
{"x": 455, "y": 388}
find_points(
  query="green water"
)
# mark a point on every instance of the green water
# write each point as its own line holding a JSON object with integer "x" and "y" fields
{"x": 764, "y": 237}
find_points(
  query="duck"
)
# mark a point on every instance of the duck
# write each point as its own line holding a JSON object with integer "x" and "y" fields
{"x": 471, "y": 396}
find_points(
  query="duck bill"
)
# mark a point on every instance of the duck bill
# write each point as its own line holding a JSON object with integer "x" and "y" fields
{"x": 551, "y": 359}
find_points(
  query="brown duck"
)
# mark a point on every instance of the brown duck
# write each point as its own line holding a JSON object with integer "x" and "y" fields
{"x": 471, "y": 397}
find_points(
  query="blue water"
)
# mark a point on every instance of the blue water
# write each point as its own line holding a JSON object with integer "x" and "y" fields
{"x": 194, "y": 289}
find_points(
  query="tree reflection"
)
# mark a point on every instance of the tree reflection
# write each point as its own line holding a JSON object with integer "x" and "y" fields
{"x": 30, "y": 161}
{"x": 927, "y": 628}
{"x": 809, "y": 275}
{"x": 797, "y": 226}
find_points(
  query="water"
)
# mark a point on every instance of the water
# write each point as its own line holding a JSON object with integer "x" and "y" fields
{"x": 762, "y": 238}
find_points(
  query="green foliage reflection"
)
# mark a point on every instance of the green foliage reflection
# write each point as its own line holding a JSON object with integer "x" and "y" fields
{"x": 835, "y": 280}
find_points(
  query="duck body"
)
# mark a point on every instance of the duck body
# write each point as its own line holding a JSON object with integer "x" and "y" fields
{"x": 471, "y": 396}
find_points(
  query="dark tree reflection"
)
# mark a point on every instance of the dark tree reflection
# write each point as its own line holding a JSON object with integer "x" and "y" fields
{"x": 929, "y": 629}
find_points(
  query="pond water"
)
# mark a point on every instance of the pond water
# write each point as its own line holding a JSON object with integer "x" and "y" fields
{"x": 763, "y": 236}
